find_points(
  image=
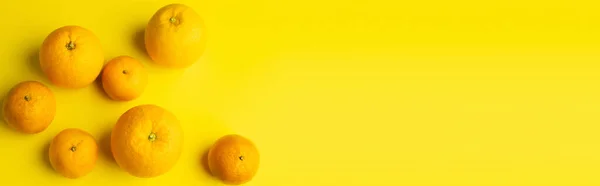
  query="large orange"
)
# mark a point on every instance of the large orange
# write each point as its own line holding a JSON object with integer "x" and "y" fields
{"x": 124, "y": 78}
{"x": 29, "y": 107}
{"x": 71, "y": 57}
{"x": 147, "y": 141}
{"x": 175, "y": 36}
{"x": 234, "y": 159}
{"x": 73, "y": 153}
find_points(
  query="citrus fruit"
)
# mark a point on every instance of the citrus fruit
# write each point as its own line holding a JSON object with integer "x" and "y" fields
{"x": 73, "y": 153}
{"x": 124, "y": 78}
{"x": 71, "y": 57}
{"x": 175, "y": 36}
{"x": 29, "y": 107}
{"x": 234, "y": 159}
{"x": 147, "y": 141}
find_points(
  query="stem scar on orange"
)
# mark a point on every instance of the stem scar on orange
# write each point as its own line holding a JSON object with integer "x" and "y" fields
{"x": 175, "y": 36}
{"x": 29, "y": 107}
{"x": 147, "y": 141}
{"x": 71, "y": 57}
{"x": 73, "y": 153}
{"x": 234, "y": 159}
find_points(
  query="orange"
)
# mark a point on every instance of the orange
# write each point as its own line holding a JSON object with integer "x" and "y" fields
{"x": 29, "y": 107}
{"x": 147, "y": 141}
{"x": 234, "y": 159}
{"x": 71, "y": 57}
{"x": 73, "y": 153}
{"x": 124, "y": 78}
{"x": 175, "y": 36}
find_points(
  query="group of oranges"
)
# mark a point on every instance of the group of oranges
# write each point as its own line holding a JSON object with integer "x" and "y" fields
{"x": 146, "y": 140}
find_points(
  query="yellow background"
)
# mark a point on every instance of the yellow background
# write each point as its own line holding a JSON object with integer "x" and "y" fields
{"x": 340, "y": 92}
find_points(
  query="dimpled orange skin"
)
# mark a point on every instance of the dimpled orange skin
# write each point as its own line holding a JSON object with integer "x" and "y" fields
{"x": 71, "y": 57}
{"x": 73, "y": 153}
{"x": 124, "y": 78}
{"x": 175, "y": 36}
{"x": 29, "y": 107}
{"x": 234, "y": 159}
{"x": 147, "y": 141}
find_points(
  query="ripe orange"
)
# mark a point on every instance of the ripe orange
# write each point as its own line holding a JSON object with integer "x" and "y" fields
{"x": 124, "y": 78}
{"x": 29, "y": 107}
{"x": 71, "y": 57}
{"x": 233, "y": 159}
{"x": 175, "y": 36}
{"x": 147, "y": 141}
{"x": 73, "y": 153}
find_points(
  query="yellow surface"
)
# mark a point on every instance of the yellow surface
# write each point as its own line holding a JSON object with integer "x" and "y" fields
{"x": 430, "y": 92}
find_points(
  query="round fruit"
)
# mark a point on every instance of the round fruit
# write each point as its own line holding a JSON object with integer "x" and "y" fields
{"x": 175, "y": 36}
{"x": 73, "y": 153}
{"x": 147, "y": 141}
{"x": 124, "y": 78}
{"x": 71, "y": 57}
{"x": 29, "y": 107}
{"x": 233, "y": 159}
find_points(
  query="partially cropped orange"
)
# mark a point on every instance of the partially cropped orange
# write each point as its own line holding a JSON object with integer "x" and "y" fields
{"x": 175, "y": 36}
{"x": 71, "y": 57}
{"x": 73, "y": 153}
{"x": 29, "y": 107}
{"x": 147, "y": 141}
{"x": 233, "y": 159}
{"x": 124, "y": 78}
